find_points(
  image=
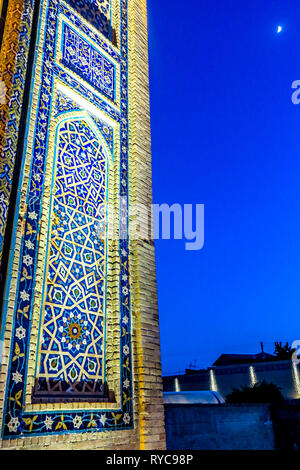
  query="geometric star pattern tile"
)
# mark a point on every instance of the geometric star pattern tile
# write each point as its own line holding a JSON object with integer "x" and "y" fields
{"x": 73, "y": 326}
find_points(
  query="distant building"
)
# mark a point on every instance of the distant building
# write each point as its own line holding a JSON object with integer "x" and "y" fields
{"x": 231, "y": 371}
{"x": 234, "y": 359}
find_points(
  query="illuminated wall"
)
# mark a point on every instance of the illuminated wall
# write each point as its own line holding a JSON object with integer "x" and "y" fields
{"x": 223, "y": 379}
{"x": 80, "y": 333}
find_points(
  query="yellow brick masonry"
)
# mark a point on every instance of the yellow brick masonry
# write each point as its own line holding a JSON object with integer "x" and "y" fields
{"x": 151, "y": 414}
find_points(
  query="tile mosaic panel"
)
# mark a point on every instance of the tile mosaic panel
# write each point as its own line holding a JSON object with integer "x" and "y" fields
{"x": 64, "y": 104}
{"x": 96, "y": 12}
{"x": 88, "y": 62}
{"x": 19, "y": 422}
{"x": 74, "y": 318}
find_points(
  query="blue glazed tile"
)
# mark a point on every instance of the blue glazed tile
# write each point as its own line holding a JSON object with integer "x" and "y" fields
{"x": 79, "y": 259}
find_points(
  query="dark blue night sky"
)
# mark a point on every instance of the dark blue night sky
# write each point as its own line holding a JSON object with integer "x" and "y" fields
{"x": 226, "y": 134}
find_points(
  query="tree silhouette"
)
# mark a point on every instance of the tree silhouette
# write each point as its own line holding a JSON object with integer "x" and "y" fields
{"x": 283, "y": 353}
{"x": 259, "y": 393}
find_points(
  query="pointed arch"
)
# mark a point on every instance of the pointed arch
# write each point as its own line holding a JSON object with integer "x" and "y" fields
{"x": 71, "y": 351}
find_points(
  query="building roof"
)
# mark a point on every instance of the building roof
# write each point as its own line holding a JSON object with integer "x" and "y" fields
{"x": 233, "y": 359}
